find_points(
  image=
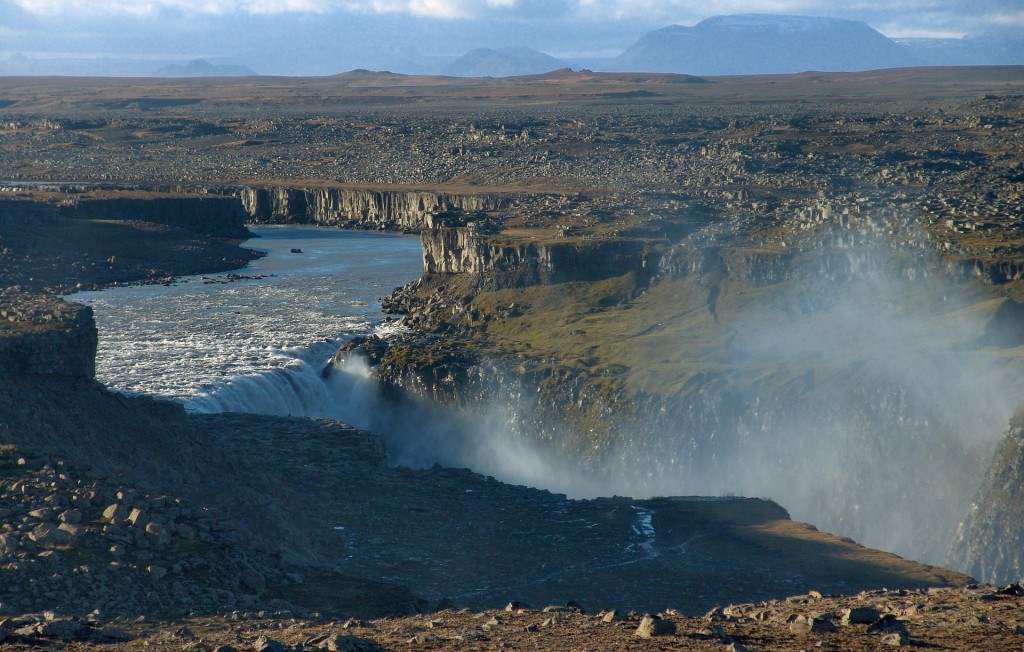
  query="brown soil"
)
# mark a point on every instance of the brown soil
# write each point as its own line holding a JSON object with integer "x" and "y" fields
{"x": 975, "y": 618}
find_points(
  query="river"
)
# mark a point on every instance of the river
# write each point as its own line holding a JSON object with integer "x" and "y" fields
{"x": 256, "y": 340}
{"x": 256, "y": 343}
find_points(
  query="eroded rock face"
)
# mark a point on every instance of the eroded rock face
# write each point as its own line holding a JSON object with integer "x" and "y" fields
{"x": 459, "y": 250}
{"x": 42, "y": 335}
{"x": 390, "y": 210}
{"x": 991, "y": 542}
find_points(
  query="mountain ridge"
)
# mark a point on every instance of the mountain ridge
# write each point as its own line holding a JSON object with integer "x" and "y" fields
{"x": 203, "y": 68}
{"x": 764, "y": 44}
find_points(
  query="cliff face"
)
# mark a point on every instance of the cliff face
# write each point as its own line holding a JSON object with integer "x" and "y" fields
{"x": 390, "y": 210}
{"x": 990, "y": 546}
{"x": 462, "y": 250}
{"x": 42, "y": 335}
{"x": 221, "y": 217}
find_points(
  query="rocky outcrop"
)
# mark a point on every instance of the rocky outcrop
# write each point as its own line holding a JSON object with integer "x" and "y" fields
{"x": 502, "y": 263}
{"x": 221, "y": 217}
{"x": 42, "y": 335}
{"x": 991, "y": 541}
{"x": 389, "y": 210}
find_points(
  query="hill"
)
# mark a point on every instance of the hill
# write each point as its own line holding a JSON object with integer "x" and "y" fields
{"x": 763, "y": 44}
{"x": 203, "y": 68}
{"x": 504, "y": 62}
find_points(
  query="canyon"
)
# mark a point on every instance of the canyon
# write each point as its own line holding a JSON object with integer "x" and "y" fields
{"x": 810, "y": 297}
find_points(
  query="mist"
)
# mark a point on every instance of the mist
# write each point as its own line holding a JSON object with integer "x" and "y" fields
{"x": 865, "y": 395}
{"x": 864, "y": 391}
{"x": 420, "y": 433}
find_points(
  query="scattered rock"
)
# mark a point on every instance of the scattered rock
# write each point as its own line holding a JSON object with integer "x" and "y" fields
{"x": 557, "y": 609}
{"x": 610, "y": 616}
{"x": 264, "y": 644}
{"x": 339, "y": 643}
{"x": 115, "y": 513}
{"x": 46, "y": 534}
{"x": 64, "y": 629}
{"x": 807, "y": 624}
{"x": 859, "y": 616}
{"x": 895, "y": 639}
{"x": 887, "y": 624}
{"x": 1015, "y": 589}
{"x": 42, "y": 514}
{"x": 651, "y": 626}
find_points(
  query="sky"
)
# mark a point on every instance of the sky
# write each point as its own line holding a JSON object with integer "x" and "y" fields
{"x": 327, "y": 36}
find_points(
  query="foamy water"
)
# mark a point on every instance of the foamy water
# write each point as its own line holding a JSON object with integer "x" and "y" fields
{"x": 254, "y": 344}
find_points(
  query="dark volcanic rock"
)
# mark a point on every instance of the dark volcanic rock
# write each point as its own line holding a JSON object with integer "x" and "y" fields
{"x": 991, "y": 543}
{"x": 43, "y": 335}
{"x": 222, "y": 217}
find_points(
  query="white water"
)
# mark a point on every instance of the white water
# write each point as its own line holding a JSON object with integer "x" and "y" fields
{"x": 253, "y": 345}
{"x": 260, "y": 346}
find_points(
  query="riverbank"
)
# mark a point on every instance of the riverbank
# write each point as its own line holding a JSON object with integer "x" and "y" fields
{"x": 44, "y": 251}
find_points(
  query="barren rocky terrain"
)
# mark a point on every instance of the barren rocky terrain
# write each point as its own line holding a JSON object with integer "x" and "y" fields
{"x": 577, "y": 228}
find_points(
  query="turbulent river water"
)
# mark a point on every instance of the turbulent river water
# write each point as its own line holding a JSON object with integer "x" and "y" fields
{"x": 257, "y": 340}
{"x": 255, "y": 343}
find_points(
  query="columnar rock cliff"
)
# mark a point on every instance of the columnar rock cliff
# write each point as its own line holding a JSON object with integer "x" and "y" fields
{"x": 391, "y": 210}
{"x": 517, "y": 263}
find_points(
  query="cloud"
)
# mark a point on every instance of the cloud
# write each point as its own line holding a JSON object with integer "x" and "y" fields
{"x": 900, "y": 15}
{"x": 431, "y": 8}
{"x": 136, "y": 8}
{"x": 688, "y": 11}
{"x": 1009, "y": 18}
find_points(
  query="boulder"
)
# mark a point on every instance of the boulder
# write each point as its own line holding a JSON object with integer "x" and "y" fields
{"x": 340, "y": 643}
{"x": 264, "y": 644}
{"x": 115, "y": 513}
{"x": 811, "y": 624}
{"x": 859, "y": 616}
{"x": 64, "y": 629}
{"x": 651, "y": 626}
{"x": 887, "y": 624}
{"x": 46, "y": 534}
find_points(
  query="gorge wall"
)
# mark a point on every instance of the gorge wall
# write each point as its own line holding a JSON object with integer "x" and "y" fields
{"x": 390, "y": 210}
{"x": 502, "y": 263}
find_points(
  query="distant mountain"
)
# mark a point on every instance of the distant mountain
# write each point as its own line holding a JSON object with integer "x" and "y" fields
{"x": 986, "y": 49}
{"x": 504, "y": 62}
{"x": 202, "y": 68}
{"x": 764, "y": 44}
